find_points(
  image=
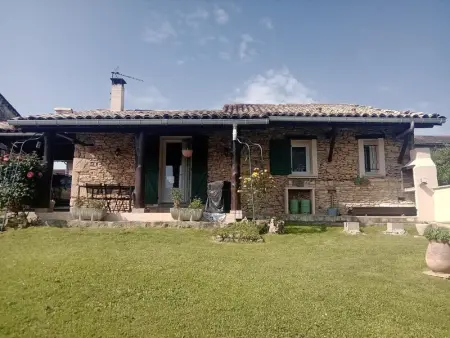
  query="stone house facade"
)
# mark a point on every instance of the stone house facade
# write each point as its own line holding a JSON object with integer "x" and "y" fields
{"x": 339, "y": 155}
{"x": 111, "y": 160}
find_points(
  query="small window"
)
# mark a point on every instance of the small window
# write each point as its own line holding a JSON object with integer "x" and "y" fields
{"x": 301, "y": 157}
{"x": 371, "y": 157}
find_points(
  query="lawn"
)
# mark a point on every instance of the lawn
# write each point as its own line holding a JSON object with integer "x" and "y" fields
{"x": 313, "y": 282}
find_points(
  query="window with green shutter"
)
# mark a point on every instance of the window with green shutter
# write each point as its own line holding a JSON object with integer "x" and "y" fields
{"x": 280, "y": 157}
{"x": 152, "y": 170}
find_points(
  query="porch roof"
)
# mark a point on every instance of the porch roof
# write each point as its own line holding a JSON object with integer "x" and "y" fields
{"x": 252, "y": 113}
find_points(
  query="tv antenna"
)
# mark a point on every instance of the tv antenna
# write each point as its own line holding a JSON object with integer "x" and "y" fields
{"x": 115, "y": 74}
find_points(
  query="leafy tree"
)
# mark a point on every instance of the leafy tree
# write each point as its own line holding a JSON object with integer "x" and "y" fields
{"x": 441, "y": 157}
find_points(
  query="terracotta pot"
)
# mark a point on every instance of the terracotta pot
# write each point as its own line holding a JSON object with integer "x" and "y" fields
{"x": 88, "y": 214}
{"x": 187, "y": 152}
{"x": 438, "y": 256}
{"x": 186, "y": 214}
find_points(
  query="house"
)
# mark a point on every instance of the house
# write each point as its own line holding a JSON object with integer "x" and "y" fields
{"x": 341, "y": 155}
{"x": 7, "y": 111}
{"x": 431, "y": 141}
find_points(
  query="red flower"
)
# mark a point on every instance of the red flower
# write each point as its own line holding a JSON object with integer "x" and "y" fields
{"x": 30, "y": 174}
{"x": 6, "y": 158}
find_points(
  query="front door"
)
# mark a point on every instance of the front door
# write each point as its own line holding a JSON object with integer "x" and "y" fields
{"x": 175, "y": 170}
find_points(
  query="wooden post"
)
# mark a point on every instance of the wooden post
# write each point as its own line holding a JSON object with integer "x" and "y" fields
{"x": 139, "y": 180}
{"x": 235, "y": 173}
{"x": 45, "y": 183}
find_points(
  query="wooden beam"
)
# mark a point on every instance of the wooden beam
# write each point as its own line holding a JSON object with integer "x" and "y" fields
{"x": 139, "y": 179}
{"x": 44, "y": 191}
{"x": 332, "y": 134}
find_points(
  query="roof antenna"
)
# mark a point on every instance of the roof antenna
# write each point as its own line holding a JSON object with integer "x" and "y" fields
{"x": 116, "y": 75}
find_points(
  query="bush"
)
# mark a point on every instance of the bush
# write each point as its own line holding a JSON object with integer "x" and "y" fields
{"x": 83, "y": 202}
{"x": 19, "y": 175}
{"x": 239, "y": 232}
{"x": 437, "y": 234}
{"x": 196, "y": 203}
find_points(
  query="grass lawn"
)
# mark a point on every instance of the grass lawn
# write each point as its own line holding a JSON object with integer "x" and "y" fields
{"x": 178, "y": 283}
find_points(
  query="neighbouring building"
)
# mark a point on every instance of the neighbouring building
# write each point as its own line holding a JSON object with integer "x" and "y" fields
{"x": 431, "y": 141}
{"x": 335, "y": 155}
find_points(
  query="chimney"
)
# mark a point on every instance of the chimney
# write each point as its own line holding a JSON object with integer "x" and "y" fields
{"x": 117, "y": 94}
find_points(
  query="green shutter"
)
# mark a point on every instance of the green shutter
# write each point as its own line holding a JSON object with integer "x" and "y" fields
{"x": 280, "y": 157}
{"x": 151, "y": 170}
{"x": 199, "y": 167}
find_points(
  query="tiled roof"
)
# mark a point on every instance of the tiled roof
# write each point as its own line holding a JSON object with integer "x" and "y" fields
{"x": 318, "y": 110}
{"x": 237, "y": 111}
{"x": 5, "y": 127}
{"x": 99, "y": 114}
{"x": 432, "y": 140}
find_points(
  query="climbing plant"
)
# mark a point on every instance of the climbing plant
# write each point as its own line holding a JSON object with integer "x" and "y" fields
{"x": 19, "y": 174}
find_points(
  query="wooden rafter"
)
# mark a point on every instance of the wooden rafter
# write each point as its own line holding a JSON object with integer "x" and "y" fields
{"x": 332, "y": 136}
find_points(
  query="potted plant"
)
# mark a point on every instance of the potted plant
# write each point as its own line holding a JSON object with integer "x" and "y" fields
{"x": 438, "y": 252}
{"x": 196, "y": 209}
{"x": 88, "y": 209}
{"x": 176, "y": 199}
{"x": 187, "y": 148}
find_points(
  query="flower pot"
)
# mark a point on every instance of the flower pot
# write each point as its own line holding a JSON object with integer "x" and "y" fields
{"x": 88, "y": 214}
{"x": 421, "y": 228}
{"x": 186, "y": 214}
{"x": 187, "y": 152}
{"x": 438, "y": 256}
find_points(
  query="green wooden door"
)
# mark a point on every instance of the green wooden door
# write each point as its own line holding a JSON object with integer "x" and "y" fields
{"x": 152, "y": 170}
{"x": 199, "y": 167}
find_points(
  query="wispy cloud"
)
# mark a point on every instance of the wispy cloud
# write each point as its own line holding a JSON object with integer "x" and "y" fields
{"x": 206, "y": 39}
{"x": 150, "y": 98}
{"x": 274, "y": 86}
{"x": 225, "y": 55}
{"x": 246, "y": 52}
{"x": 221, "y": 15}
{"x": 158, "y": 34}
{"x": 266, "y": 22}
{"x": 194, "y": 19}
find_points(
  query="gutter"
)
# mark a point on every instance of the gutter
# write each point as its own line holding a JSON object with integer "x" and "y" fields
{"x": 13, "y": 134}
{"x": 209, "y": 122}
{"x": 138, "y": 122}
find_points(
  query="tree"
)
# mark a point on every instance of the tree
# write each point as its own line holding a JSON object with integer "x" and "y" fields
{"x": 441, "y": 158}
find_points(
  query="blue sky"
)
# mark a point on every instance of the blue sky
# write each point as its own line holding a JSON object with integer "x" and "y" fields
{"x": 201, "y": 54}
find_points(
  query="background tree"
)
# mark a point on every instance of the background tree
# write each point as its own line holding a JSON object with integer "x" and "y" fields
{"x": 441, "y": 157}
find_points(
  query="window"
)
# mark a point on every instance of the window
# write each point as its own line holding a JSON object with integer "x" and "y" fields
{"x": 371, "y": 157}
{"x": 301, "y": 159}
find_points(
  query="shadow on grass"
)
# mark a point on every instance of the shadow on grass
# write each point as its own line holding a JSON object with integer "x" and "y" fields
{"x": 305, "y": 229}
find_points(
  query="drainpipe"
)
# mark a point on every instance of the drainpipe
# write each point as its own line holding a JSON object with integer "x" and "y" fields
{"x": 407, "y": 131}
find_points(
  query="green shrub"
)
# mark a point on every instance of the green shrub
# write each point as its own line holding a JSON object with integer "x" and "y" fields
{"x": 239, "y": 232}
{"x": 437, "y": 234}
{"x": 196, "y": 203}
{"x": 83, "y": 202}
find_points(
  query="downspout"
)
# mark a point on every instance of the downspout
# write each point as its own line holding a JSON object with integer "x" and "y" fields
{"x": 405, "y": 134}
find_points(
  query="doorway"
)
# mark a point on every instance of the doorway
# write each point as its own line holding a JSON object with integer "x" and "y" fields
{"x": 175, "y": 170}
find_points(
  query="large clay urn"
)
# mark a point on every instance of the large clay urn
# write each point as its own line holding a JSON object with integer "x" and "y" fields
{"x": 438, "y": 256}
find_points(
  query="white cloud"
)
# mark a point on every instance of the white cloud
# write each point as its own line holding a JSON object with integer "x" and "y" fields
{"x": 245, "y": 51}
{"x": 151, "y": 98}
{"x": 266, "y": 22}
{"x": 159, "y": 34}
{"x": 274, "y": 86}
{"x": 225, "y": 55}
{"x": 221, "y": 16}
{"x": 195, "y": 18}
{"x": 181, "y": 62}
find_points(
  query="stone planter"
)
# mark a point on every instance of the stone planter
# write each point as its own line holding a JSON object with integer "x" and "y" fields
{"x": 186, "y": 214}
{"x": 421, "y": 228}
{"x": 438, "y": 256}
{"x": 88, "y": 214}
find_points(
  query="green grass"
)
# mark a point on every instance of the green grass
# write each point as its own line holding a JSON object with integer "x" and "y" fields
{"x": 178, "y": 283}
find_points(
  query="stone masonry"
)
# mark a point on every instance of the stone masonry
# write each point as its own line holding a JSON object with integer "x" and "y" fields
{"x": 99, "y": 164}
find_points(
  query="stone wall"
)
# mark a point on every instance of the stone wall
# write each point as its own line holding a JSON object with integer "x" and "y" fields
{"x": 336, "y": 177}
{"x": 100, "y": 164}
